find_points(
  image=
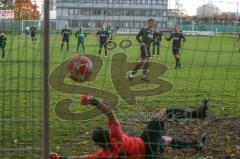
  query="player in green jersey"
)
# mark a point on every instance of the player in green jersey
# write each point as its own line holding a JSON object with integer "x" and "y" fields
{"x": 80, "y": 35}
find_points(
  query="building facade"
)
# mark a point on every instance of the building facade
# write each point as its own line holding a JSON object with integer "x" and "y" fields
{"x": 208, "y": 10}
{"x": 127, "y": 14}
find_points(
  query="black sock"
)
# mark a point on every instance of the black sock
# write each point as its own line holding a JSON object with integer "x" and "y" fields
{"x": 105, "y": 52}
{"x": 136, "y": 67}
{"x": 67, "y": 46}
{"x": 61, "y": 46}
{"x": 99, "y": 52}
{"x": 177, "y": 62}
{"x": 178, "y": 144}
{"x": 146, "y": 67}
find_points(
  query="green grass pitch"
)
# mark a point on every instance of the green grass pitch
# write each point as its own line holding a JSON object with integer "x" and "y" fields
{"x": 210, "y": 68}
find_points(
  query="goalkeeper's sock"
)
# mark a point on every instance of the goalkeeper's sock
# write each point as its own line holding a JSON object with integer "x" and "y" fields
{"x": 87, "y": 99}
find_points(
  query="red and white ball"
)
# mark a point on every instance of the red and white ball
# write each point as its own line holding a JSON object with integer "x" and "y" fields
{"x": 79, "y": 68}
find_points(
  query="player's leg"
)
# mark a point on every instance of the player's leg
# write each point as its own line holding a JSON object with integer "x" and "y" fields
{"x": 100, "y": 48}
{"x": 177, "y": 113}
{"x": 158, "y": 51}
{"x": 67, "y": 44}
{"x": 78, "y": 45}
{"x": 105, "y": 48}
{"x": 177, "y": 57}
{"x": 34, "y": 36}
{"x": 147, "y": 62}
{"x": 83, "y": 46}
{"x": 179, "y": 143}
{"x": 153, "y": 49}
{"x": 3, "y": 53}
{"x": 136, "y": 68}
{"x": 63, "y": 40}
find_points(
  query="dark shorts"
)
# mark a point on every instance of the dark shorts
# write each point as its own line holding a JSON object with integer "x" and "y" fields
{"x": 103, "y": 44}
{"x": 152, "y": 137}
{"x": 65, "y": 40}
{"x": 145, "y": 51}
{"x": 175, "y": 51}
{"x": 33, "y": 34}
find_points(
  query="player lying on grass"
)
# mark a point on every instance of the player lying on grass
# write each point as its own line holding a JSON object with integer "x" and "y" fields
{"x": 113, "y": 143}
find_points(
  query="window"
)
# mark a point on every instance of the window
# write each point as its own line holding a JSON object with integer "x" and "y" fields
{"x": 154, "y": 13}
{"x": 138, "y": 1}
{"x": 109, "y": 12}
{"x": 129, "y": 12}
{"x": 149, "y": 2}
{"x": 140, "y": 12}
{"x": 76, "y": 11}
{"x": 71, "y": 11}
{"x": 160, "y": 13}
{"x": 164, "y": 13}
{"x": 165, "y": 2}
{"x": 127, "y": 1}
{"x": 75, "y": 24}
{"x": 154, "y": 1}
{"x": 110, "y": 1}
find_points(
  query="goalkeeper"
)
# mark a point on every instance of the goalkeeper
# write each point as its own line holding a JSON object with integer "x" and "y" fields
{"x": 113, "y": 143}
{"x": 80, "y": 35}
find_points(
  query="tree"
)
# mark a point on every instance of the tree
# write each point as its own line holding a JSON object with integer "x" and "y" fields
{"x": 6, "y": 4}
{"x": 26, "y": 10}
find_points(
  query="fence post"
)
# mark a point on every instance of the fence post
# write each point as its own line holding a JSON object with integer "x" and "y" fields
{"x": 45, "y": 106}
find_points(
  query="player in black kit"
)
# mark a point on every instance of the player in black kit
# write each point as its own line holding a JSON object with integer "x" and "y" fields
{"x": 66, "y": 32}
{"x": 103, "y": 39}
{"x": 33, "y": 31}
{"x": 177, "y": 38}
{"x": 147, "y": 37}
{"x": 158, "y": 38}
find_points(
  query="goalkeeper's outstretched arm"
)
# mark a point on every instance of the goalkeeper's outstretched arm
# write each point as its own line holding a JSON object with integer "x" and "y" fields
{"x": 104, "y": 108}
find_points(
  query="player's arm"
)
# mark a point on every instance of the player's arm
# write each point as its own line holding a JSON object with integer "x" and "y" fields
{"x": 139, "y": 35}
{"x": 76, "y": 34}
{"x": 184, "y": 38}
{"x": 70, "y": 31}
{"x": 97, "y": 33}
{"x": 104, "y": 108}
{"x": 238, "y": 38}
{"x": 85, "y": 34}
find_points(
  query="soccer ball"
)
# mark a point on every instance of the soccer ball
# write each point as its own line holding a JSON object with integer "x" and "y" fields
{"x": 79, "y": 68}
